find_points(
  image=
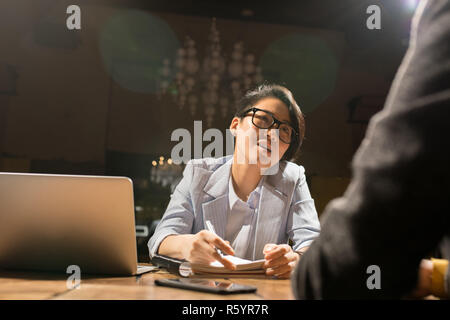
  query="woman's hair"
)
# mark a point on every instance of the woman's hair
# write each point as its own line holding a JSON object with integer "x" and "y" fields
{"x": 285, "y": 96}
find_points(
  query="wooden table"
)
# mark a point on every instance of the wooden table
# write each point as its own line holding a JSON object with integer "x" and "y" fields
{"x": 36, "y": 285}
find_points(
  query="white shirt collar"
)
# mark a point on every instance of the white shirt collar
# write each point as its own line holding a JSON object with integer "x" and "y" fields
{"x": 233, "y": 197}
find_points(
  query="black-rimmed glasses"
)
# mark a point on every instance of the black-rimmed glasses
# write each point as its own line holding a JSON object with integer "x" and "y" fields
{"x": 263, "y": 119}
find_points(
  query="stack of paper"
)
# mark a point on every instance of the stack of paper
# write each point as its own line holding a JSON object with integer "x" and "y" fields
{"x": 243, "y": 266}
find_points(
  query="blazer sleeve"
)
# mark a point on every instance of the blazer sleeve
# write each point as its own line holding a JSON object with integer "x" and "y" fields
{"x": 396, "y": 209}
{"x": 303, "y": 223}
{"x": 179, "y": 215}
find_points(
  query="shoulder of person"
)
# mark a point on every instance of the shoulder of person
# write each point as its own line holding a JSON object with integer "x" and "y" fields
{"x": 292, "y": 171}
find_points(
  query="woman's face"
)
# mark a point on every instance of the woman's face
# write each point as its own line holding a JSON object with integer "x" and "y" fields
{"x": 252, "y": 141}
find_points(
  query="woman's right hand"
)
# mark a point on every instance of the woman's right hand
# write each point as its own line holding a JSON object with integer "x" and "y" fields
{"x": 201, "y": 248}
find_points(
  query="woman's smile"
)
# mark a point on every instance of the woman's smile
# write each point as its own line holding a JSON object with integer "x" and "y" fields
{"x": 264, "y": 145}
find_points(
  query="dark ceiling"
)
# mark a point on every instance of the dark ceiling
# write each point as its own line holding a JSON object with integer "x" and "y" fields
{"x": 348, "y": 16}
{"x": 336, "y": 14}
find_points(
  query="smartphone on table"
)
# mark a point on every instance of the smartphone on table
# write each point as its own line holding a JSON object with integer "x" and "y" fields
{"x": 205, "y": 285}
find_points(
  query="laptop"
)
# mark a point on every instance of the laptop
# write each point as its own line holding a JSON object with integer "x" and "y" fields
{"x": 50, "y": 222}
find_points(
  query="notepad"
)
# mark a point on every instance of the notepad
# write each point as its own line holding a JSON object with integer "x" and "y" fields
{"x": 243, "y": 266}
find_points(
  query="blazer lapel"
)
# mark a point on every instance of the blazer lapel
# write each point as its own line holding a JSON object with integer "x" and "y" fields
{"x": 216, "y": 210}
{"x": 271, "y": 210}
{"x": 274, "y": 199}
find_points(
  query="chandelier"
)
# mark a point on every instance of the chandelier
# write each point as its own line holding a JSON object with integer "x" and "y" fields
{"x": 215, "y": 82}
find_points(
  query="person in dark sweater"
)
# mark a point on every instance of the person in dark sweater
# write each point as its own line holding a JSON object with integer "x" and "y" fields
{"x": 396, "y": 210}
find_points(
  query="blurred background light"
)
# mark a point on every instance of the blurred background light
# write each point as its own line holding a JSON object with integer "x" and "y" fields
{"x": 133, "y": 45}
{"x": 411, "y": 5}
{"x": 304, "y": 64}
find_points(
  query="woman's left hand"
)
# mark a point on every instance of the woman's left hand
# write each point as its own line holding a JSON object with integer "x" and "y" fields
{"x": 280, "y": 260}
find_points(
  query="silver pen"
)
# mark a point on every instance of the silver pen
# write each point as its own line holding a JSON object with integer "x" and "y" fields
{"x": 210, "y": 228}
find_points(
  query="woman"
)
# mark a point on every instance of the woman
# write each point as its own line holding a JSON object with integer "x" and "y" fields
{"x": 233, "y": 205}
